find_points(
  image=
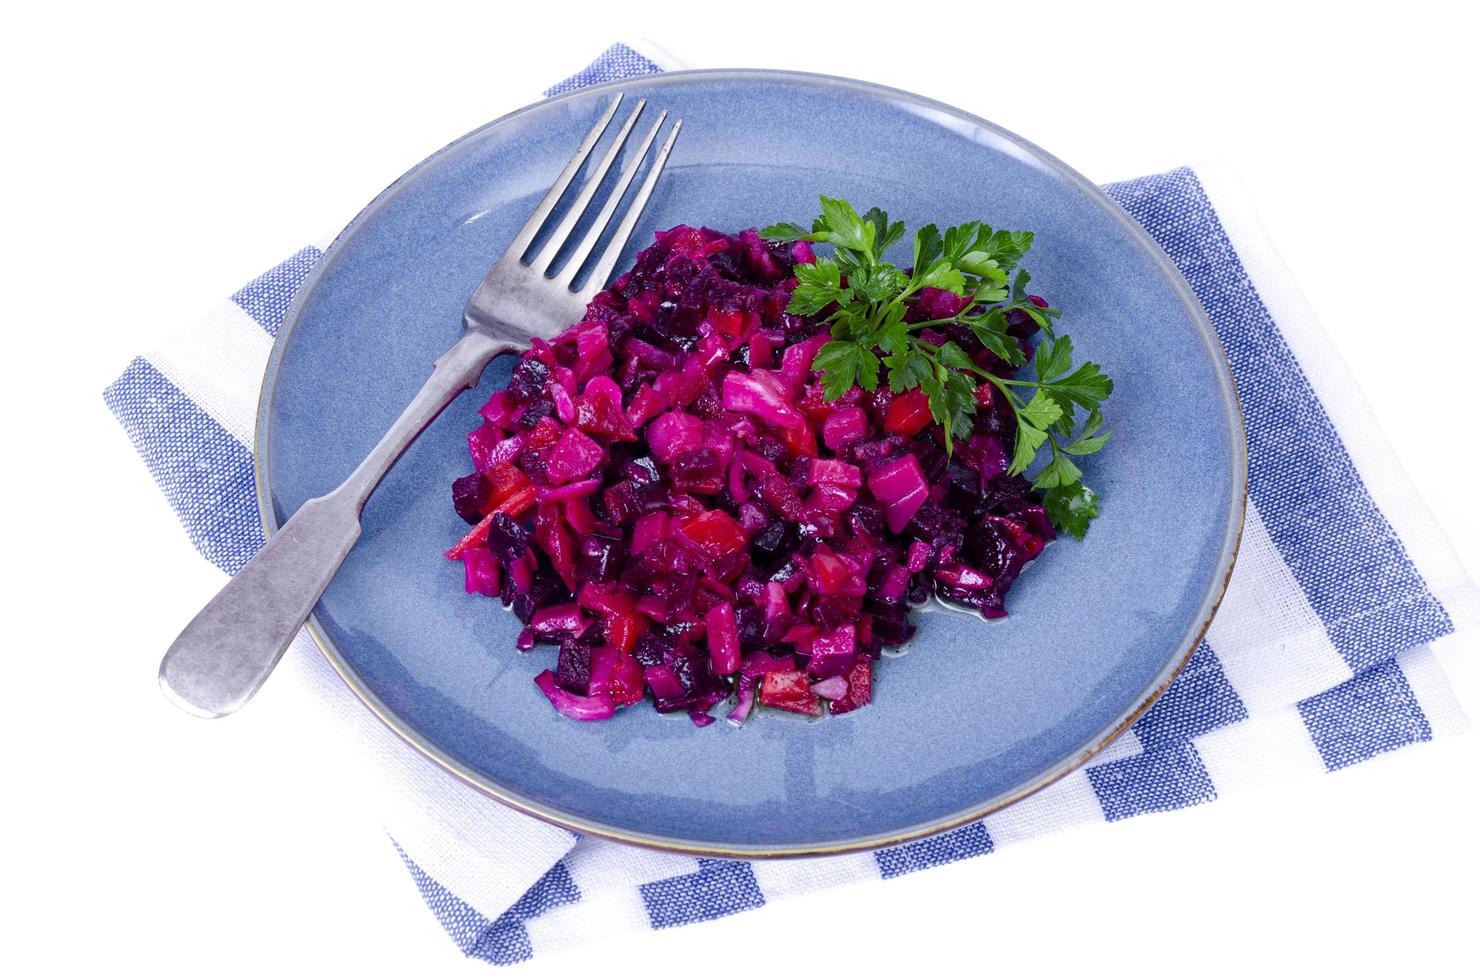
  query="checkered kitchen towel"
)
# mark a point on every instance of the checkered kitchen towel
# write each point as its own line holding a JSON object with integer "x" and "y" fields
{"x": 1316, "y": 661}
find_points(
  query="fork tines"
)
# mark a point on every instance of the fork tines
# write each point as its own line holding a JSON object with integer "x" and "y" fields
{"x": 561, "y": 237}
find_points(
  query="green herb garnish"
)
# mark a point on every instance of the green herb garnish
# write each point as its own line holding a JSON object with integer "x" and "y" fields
{"x": 870, "y": 299}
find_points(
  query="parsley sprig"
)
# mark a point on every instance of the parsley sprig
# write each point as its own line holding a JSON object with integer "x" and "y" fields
{"x": 868, "y": 300}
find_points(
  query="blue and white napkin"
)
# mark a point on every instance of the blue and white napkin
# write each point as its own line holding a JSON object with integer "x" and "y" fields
{"x": 1317, "y": 659}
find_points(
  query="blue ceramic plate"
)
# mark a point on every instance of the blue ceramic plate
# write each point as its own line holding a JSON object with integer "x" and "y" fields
{"x": 973, "y": 715}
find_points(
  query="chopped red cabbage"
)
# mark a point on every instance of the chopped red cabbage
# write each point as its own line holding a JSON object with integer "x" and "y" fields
{"x": 592, "y": 707}
{"x": 481, "y": 572}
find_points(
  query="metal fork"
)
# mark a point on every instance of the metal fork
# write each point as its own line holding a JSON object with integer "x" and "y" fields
{"x": 221, "y": 659}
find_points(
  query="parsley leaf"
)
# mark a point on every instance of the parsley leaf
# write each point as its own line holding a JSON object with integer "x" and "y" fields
{"x": 784, "y": 231}
{"x": 1042, "y": 411}
{"x": 907, "y": 369}
{"x": 818, "y": 286}
{"x": 873, "y": 330}
{"x": 1030, "y": 439}
{"x": 841, "y": 363}
{"x": 1071, "y": 508}
{"x": 847, "y": 229}
{"x": 1059, "y": 472}
{"x": 954, "y": 357}
{"x": 1089, "y": 441}
{"x": 877, "y": 283}
{"x": 927, "y": 246}
{"x": 942, "y": 275}
{"x": 885, "y": 234}
{"x": 958, "y": 239}
{"x": 1086, "y": 387}
{"x": 1006, "y": 248}
{"x": 1053, "y": 357}
{"x": 991, "y": 331}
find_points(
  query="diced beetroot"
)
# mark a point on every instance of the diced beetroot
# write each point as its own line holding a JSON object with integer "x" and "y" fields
{"x": 598, "y": 414}
{"x": 688, "y": 383}
{"x": 515, "y": 504}
{"x": 645, "y": 404}
{"x": 694, "y": 243}
{"x": 731, "y": 323}
{"x": 650, "y": 529}
{"x": 545, "y": 434}
{"x": 654, "y": 608}
{"x": 796, "y": 361}
{"x": 712, "y": 349}
{"x": 467, "y": 497}
{"x": 762, "y": 263}
{"x": 900, "y": 486}
{"x": 674, "y": 433}
{"x": 992, "y": 458}
{"x": 830, "y": 499}
{"x": 719, "y": 440}
{"x": 844, "y": 427}
{"x": 483, "y": 444}
{"x": 834, "y": 471}
{"x": 521, "y": 574}
{"x": 896, "y": 582}
{"x": 551, "y": 534}
{"x": 737, "y": 481}
{"x": 603, "y": 387}
{"x": 801, "y": 636}
{"x": 503, "y": 479}
{"x": 578, "y": 515}
{"x": 572, "y": 457}
{"x": 777, "y": 609}
{"x": 817, "y": 408}
{"x": 753, "y": 665}
{"x": 663, "y": 682}
{"x": 616, "y": 674}
{"x": 644, "y": 305}
{"x": 833, "y": 653}
{"x": 573, "y": 668}
{"x": 919, "y": 554}
{"x": 501, "y": 409}
{"x": 760, "y": 351}
{"x": 938, "y": 304}
{"x": 831, "y": 576}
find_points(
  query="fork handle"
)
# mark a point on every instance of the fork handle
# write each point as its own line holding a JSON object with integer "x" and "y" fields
{"x": 221, "y": 659}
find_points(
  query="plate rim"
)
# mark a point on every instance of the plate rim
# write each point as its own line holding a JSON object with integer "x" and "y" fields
{"x": 1212, "y": 598}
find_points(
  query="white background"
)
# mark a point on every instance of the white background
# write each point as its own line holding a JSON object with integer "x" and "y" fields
{"x": 155, "y": 159}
